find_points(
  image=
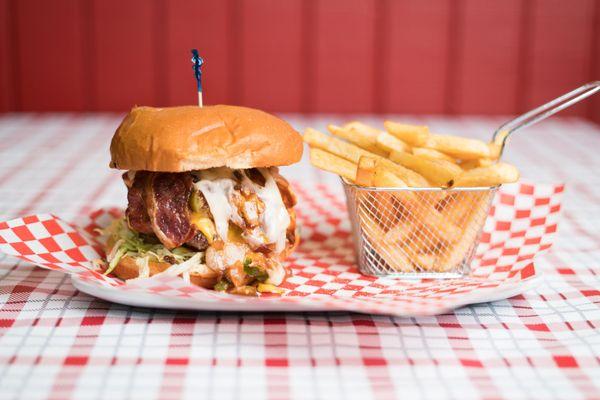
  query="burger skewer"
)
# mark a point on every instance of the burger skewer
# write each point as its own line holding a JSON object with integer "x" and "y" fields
{"x": 198, "y": 62}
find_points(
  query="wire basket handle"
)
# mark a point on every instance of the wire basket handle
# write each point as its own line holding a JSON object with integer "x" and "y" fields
{"x": 542, "y": 112}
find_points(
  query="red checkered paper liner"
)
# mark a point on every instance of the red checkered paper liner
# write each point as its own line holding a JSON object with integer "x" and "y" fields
{"x": 521, "y": 224}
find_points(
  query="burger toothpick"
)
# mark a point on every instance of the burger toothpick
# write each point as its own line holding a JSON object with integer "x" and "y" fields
{"x": 198, "y": 62}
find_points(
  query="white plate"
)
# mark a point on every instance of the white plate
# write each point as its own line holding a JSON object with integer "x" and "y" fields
{"x": 151, "y": 300}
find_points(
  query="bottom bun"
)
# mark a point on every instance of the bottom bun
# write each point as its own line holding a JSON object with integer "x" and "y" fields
{"x": 128, "y": 269}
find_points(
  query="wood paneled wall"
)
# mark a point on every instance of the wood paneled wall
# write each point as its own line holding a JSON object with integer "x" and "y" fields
{"x": 372, "y": 56}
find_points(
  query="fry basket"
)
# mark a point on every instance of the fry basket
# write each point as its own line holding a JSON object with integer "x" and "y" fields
{"x": 416, "y": 232}
{"x": 432, "y": 232}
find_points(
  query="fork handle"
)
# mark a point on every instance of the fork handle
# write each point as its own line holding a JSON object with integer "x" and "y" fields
{"x": 542, "y": 112}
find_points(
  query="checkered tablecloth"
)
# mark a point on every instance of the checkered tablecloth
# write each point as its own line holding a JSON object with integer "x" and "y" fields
{"x": 56, "y": 342}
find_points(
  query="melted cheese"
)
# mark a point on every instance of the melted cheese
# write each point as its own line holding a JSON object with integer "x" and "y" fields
{"x": 235, "y": 234}
{"x": 276, "y": 219}
{"x": 204, "y": 224}
{"x": 217, "y": 186}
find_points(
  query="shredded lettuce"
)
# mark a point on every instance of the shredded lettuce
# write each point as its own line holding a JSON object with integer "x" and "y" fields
{"x": 178, "y": 269}
{"x": 144, "y": 267}
{"x": 130, "y": 243}
{"x": 115, "y": 260}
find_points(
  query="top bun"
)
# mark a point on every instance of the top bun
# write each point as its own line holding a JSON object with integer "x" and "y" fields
{"x": 179, "y": 139}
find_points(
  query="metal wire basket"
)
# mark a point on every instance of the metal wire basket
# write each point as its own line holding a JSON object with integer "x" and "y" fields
{"x": 431, "y": 232}
{"x": 416, "y": 232}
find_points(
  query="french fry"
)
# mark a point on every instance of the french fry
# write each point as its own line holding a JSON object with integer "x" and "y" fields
{"x": 491, "y": 175}
{"x": 359, "y": 126}
{"x": 436, "y": 224}
{"x": 431, "y": 154}
{"x": 424, "y": 261}
{"x": 389, "y": 250}
{"x": 340, "y": 148}
{"x": 363, "y": 128}
{"x": 353, "y": 153}
{"x": 389, "y": 143}
{"x": 476, "y": 162}
{"x": 382, "y": 206}
{"x": 494, "y": 151}
{"x": 412, "y": 134}
{"x": 410, "y": 177}
{"x": 496, "y": 146}
{"x": 362, "y": 138}
{"x": 501, "y": 137}
{"x": 383, "y": 177}
{"x": 332, "y": 163}
{"x": 460, "y": 204}
{"x": 365, "y": 171}
{"x": 473, "y": 216}
{"x": 459, "y": 147}
{"x": 470, "y": 164}
{"x": 419, "y": 211}
{"x": 437, "y": 172}
{"x": 421, "y": 258}
{"x": 401, "y": 232}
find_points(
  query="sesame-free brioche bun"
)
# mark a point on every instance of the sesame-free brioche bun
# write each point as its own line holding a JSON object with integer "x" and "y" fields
{"x": 179, "y": 139}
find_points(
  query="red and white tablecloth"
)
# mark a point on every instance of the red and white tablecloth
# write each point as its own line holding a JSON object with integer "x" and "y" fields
{"x": 56, "y": 342}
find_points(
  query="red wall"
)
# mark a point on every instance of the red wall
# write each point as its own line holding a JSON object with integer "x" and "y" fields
{"x": 381, "y": 56}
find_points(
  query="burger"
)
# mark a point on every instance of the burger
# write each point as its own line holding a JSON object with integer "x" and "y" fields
{"x": 205, "y": 198}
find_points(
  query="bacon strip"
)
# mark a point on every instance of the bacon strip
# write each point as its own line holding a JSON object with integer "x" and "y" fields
{"x": 166, "y": 197}
{"x": 290, "y": 200}
{"x": 288, "y": 197}
{"x": 137, "y": 216}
